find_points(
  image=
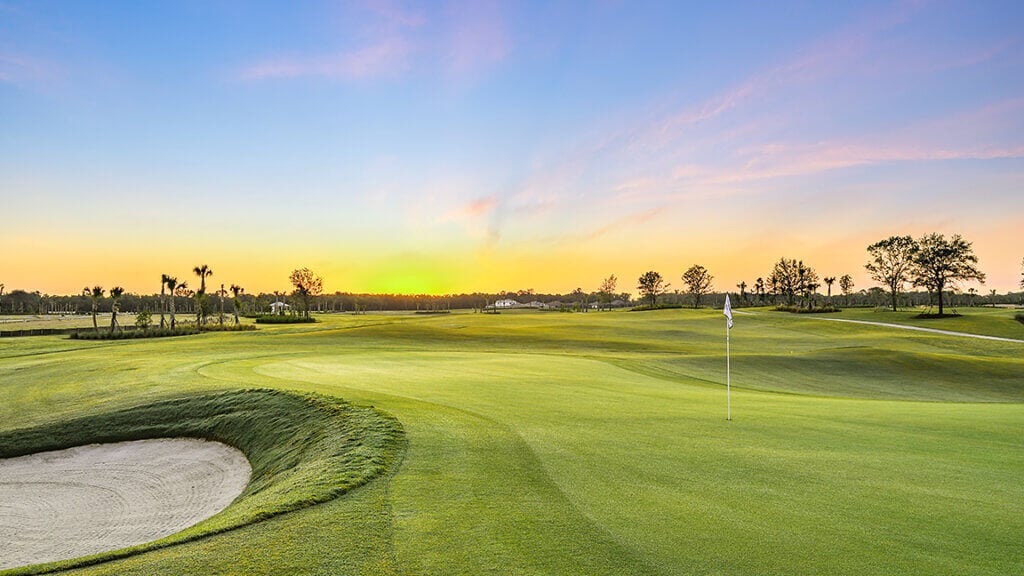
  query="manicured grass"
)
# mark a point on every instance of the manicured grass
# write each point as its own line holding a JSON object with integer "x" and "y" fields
{"x": 597, "y": 443}
{"x": 303, "y": 450}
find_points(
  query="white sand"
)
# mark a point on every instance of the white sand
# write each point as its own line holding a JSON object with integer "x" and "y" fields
{"x": 76, "y": 502}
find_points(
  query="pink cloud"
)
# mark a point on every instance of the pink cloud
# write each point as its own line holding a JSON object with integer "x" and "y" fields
{"x": 477, "y": 37}
{"x": 625, "y": 222}
{"x": 478, "y": 207}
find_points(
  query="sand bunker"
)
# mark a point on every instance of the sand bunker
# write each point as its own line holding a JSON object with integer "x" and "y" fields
{"x": 76, "y": 502}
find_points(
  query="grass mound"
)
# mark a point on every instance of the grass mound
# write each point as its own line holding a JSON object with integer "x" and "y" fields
{"x": 303, "y": 449}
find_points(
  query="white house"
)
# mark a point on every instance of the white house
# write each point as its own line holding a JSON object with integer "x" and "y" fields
{"x": 506, "y": 303}
{"x": 279, "y": 307}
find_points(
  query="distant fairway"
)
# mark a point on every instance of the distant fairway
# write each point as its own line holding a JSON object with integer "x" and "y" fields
{"x": 549, "y": 443}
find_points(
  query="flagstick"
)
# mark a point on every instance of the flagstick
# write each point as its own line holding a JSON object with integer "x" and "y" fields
{"x": 728, "y": 376}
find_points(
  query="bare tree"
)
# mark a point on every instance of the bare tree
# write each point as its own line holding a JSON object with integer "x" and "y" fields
{"x": 698, "y": 280}
{"x": 307, "y": 284}
{"x": 607, "y": 291}
{"x": 892, "y": 263}
{"x": 939, "y": 263}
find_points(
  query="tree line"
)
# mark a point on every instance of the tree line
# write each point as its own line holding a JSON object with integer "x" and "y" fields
{"x": 933, "y": 263}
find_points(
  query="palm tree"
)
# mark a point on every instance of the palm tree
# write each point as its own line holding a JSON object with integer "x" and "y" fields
{"x": 94, "y": 294}
{"x": 829, "y": 280}
{"x": 743, "y": 290}
{"x": 115, "y": 294}
{"x": 181, "y": 289}
{"x": 164, "y": 280}
{"x": 202, "y": 271}
{"x": 1, "y": 294}
{"x": 221, "y": 293}
{"x": 236, "y": 291}
{"x": 171, "y": 282}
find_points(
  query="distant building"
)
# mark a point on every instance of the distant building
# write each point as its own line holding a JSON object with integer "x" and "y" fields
{"x": 279, "y": 307}
{"x": 507, "y": 303}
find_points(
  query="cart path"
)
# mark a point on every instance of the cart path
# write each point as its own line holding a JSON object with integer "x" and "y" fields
{"x": 919, "y": 329}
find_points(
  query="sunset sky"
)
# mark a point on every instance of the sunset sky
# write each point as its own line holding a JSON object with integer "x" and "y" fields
{"x": 483, "y": 146}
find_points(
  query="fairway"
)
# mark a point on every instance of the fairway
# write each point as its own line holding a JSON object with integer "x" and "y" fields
{"x": 550, "y": 443}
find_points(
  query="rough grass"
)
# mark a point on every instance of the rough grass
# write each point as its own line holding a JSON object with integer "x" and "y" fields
{"x": 303, "y": 449}
{"x": 597, "y": 443}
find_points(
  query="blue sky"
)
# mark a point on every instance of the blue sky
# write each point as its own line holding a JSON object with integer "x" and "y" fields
{"x": 452, "y": 146}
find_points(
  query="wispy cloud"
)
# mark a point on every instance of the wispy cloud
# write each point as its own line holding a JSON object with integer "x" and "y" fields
{"x": 25, "y": 72}
{"x": 463, "y": 40}
{"x": 384, "y": 48}
{"x": 473, "y": 209}
{"x": 388, "y": 57}
{"x": 477, "y": 37}
{"x": 745, "y": 134}
{"x": 624, "y": 223}
{"x": 980, "y": 56}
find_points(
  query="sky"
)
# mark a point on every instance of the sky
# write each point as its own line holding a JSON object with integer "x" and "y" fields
{"x": 445, "y": 147}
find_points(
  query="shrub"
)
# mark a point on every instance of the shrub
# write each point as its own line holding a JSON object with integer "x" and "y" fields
{"x": 1019, "y": 316}
{"x": 142, "y": 319}
{"x": 278, "y": 319}
{"x": 228, "y": 328}
{"x": 802, "y": 310}
{"x": 88, "y": 334}
{"x": 643, "y": 308}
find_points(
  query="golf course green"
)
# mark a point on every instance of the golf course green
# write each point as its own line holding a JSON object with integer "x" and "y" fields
{"x": 555, "y": 443}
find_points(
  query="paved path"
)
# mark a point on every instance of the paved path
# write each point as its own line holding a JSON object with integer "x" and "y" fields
{"x": 918, "y": 328}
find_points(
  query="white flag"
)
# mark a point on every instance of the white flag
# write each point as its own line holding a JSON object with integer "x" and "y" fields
{"x": 728, "y": 310}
